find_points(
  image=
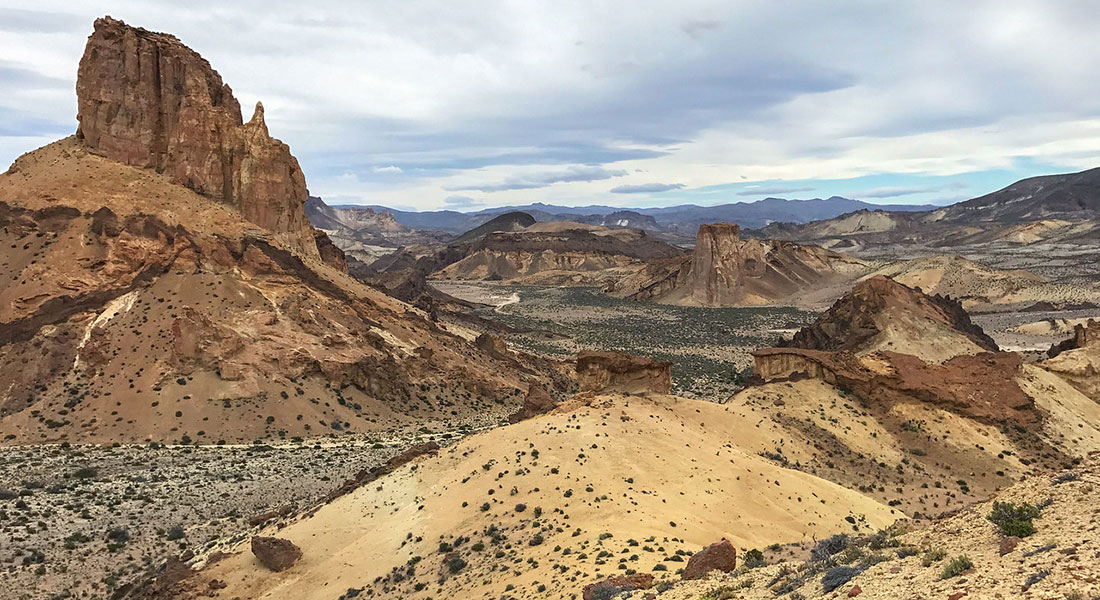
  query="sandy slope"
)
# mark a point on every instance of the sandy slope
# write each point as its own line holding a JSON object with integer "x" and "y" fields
{"x": 667, "y": 472}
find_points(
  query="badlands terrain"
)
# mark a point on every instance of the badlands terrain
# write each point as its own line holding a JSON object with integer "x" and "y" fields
{"x": 213, "y": 385}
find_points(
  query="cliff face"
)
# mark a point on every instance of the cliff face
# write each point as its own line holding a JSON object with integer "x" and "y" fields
{"x": 603, "y": 372}
{"x": 149, "y": 101}
{"x": 725, "y": 270}
{"x": 721, "y": 263}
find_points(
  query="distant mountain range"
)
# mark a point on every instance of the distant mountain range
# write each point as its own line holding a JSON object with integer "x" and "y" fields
{"x": 683, "y": 219}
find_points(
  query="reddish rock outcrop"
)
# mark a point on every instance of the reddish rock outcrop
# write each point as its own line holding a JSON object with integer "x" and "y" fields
{"x": 147, "y": 100}
{"x": 719, "y": 556}
{"x": 980, "y": 386}
{"x": 537, "y": 402}
{"x": 274, "y": 553}
{"x": 1083, "y": 335}
{"x": 857, "y": 317}
{"x": 617, "y": 584}
{"x": 614, "y": 372}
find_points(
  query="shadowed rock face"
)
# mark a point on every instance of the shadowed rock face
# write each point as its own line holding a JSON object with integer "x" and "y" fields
{"x": 858, "y": 316}
{"x": 614, "y": 372}
{"x": 147, "y": 100}
{"x": 1083, "y": 335}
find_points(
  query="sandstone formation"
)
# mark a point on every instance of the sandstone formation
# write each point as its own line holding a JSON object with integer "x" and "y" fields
{"x": 149, "y": 101}
{"x": 613, "y": 372}
{"x": 537, "y": 402}
{"x": 719, "y": 556}
{"x": 1087, "y": 334}
{"x": 274, "y": 553}
{"x": 980, "y": 386}
{"x": 725, "y": 270}
{"x": 880, "y": 313}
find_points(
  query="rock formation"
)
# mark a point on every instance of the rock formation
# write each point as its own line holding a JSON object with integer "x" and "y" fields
{"x": 1087, "y": 334}
{"x": 274, "y": 553}
{"x": 719, "y": 556}
{"x": 725, "y": 270}
{"x": 881, "y": 313}
{"x": 979, "y": 386}
{"x": 147, "y": 100}
{"x": 603, "y": 372}
{"x": 537, "y": 402}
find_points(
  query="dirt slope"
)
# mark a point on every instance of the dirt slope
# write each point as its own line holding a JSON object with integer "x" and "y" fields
{"x": 134, "y": 308}
{"x": 616, "y": 480}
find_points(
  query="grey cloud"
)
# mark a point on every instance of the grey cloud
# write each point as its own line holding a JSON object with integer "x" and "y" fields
{"x": 646, "y": 187}
{"x": 460, "y": 202}
{"x": 771, "y": 191}
{"x": 532, "y": 181}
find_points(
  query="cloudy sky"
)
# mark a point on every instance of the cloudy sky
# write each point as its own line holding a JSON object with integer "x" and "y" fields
{"x": 470, "y": 104}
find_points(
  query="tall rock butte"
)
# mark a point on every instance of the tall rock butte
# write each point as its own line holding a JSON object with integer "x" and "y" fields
{"x": 149, "y": 101}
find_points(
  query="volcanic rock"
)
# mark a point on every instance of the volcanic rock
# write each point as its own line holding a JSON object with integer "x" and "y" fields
{"x": 719, "y": 556}
{"x": 615, "y": 372}
{"x": 537, "y": 402}
{"x": 274, "y": 553}
{"x": 147, "y": 100}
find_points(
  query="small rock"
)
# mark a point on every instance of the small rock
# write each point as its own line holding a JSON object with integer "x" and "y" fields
{"x": 274, "y": 553}
{"x": 1008, "y": 544}
{"x": 855, "y": 591}
{"x": 956, "y": 596}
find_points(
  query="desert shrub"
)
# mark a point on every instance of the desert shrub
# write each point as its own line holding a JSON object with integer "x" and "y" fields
{"x": 175, "y": 533}
{"x": 455, "y": 564}
{"x": 958, "y": 565}
{"x": 932, "y": 555}
{"x": 605, "y": 591}
{"x": 1067, "y": 477}
{"x": 1014, "y": 519}
{"x": 85, "y": 473}
{"x": 828, "y": 547}
{"x": 907, "y": 551}
{"x": 838, "y": 576}
{"x": 754, "y": 558}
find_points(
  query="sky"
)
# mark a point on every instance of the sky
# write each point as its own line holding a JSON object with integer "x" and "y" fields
{"x": 466, "y": 105}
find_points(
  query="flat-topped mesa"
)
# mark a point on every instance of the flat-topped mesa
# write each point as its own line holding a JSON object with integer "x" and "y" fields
{"x": 147, "y": 100}
{"x": 614, "y": 372}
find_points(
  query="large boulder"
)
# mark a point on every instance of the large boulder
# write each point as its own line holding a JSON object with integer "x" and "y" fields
{"x": 274, "y": 553}
{"x": 537, "y": 402}
{"x": 147, "y": 100}
{"x": 614, "y": 372}
{"x": 1087, "y": 334}
{"x": 719, "y": 556}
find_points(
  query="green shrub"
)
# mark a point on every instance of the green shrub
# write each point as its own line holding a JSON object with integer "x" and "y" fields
{"x": 958, "y": 565}
{"x": 1014, "y": 519}
{"x": 932, "y": 556}
{"x": 754, "y": 558}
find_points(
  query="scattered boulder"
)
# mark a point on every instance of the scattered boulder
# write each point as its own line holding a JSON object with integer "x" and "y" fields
{"x": 275, "y": 553}
{"x": 537, "y": 402}
{"x": 719, "y": 556}
{"x": 615, "y": 372}
{"x": 613, "y": 586}
{"x": 855, "y": 591}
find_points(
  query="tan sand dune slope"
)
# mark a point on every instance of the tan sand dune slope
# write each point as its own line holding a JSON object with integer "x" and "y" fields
{"x": 558, "y": 501}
